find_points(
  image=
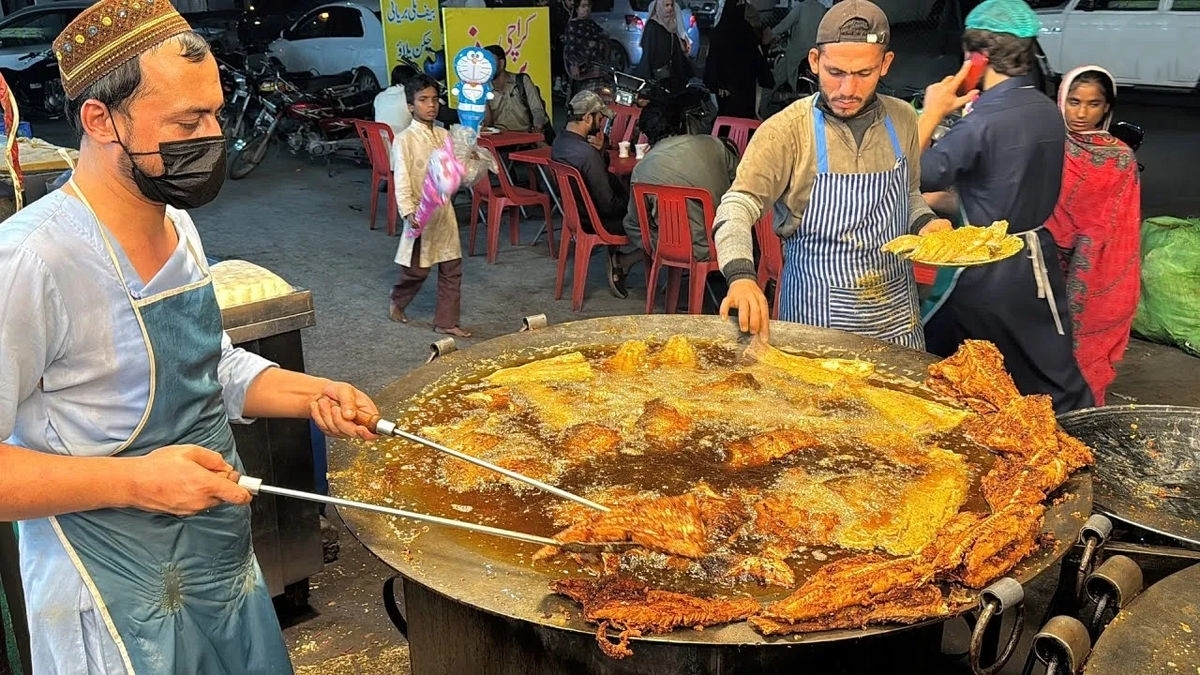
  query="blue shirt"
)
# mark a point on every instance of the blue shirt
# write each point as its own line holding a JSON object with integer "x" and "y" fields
{"x": 1005, "y": 157}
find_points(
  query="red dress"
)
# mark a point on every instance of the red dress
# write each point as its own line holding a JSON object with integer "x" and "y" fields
{"x": 1097, "y": 226}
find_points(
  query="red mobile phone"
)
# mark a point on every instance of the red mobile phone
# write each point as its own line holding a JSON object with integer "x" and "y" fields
{"x": 979, "y": 64}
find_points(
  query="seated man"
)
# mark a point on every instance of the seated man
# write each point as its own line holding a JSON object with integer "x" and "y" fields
{"x": 581, "y": 146}
{"x": 678, "y": 158}
{"x": 517, "y": 103}
{"x": 391, "y": 106}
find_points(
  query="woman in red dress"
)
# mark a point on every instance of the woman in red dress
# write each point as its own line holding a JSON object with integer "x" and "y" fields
{"x": 1097, "y": 226}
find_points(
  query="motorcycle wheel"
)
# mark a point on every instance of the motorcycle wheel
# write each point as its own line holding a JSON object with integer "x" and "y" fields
{"x": 242, "y": 162}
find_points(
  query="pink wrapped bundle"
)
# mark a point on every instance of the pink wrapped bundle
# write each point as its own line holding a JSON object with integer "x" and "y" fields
{"x": 441, "y": 181}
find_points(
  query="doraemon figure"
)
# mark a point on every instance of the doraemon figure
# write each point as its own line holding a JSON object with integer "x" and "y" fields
{"x": 474, "y": 67}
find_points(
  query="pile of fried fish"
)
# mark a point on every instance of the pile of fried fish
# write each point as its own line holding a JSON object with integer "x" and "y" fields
{"x": 913, "y": 542}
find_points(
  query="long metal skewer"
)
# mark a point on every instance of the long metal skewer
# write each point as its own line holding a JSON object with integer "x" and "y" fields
{"x": 255, "y": 486}
{"x": 388, "y": 428}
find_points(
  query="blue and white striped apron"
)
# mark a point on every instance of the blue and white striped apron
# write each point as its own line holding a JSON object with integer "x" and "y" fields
{"x": 834, "y": 274}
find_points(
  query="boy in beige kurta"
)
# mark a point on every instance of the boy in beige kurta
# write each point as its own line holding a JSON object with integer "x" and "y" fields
{"x": 438, "y": 243}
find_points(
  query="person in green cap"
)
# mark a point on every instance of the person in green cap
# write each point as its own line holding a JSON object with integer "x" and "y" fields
{"x": 1004, "y": 159}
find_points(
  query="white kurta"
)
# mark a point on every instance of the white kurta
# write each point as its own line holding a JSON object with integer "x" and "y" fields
{"x": 76, "y": 382}
{"x": 410, "y": 161}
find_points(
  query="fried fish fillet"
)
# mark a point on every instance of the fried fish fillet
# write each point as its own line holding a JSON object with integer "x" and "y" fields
{"x": 904, "y": 522}
{"x": 913, "y": 414}
{"x": 975, "y": 375}
{"x": 550, "y": 405}
{"x": 901, "y": 606}
{"x": 1023, "y": 426}
{"x": 584, "y": 442}
{"x": 677, "y": 352}
{"x": 1031, "y": 480}
{"x": 688, "y": 525}
{"x": 636, "y": 608}
{"x": 858, "y": 581}
{"x": 764, "y": 570}
{"x": 664, "y": 423}
{"x": 764, "y": 448}
{"x": 824, "y": 372}
{"x": 977, "y": 549}
{"x": 569, "y": 367}
{"x": 631, "y": 357}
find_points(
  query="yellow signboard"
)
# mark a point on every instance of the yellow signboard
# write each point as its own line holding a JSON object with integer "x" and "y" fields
{"x": 411, "y": 31}
{"x": 523, "y": 32}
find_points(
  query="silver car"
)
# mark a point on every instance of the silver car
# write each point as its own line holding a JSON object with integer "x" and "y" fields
{"x": 624, "y": 21}
{"x": 31, "y": 30}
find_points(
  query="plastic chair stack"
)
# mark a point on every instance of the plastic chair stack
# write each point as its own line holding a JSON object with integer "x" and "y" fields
{"x": 575, "y": 201}
{"x": 377, "y": 141}
{"x": 673, "y": 246}
{"x": 499, "y": 198}
{"x": 736, "y": 129}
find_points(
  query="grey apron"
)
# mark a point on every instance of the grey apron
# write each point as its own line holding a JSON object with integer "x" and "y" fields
{"x": 834, "y": 274}
{"x": 177, "y": 594}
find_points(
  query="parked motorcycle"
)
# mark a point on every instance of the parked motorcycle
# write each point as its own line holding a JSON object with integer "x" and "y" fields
{"x": 694, "y": 102}
{"x": 311, "y": 115}
{"x": 38, "y": 86}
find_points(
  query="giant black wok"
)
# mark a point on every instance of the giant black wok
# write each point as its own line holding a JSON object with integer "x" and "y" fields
{"x": 454, "y": 566}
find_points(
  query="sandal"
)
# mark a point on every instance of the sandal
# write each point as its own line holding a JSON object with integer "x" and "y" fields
{"x": 396, "y": 314}
{"x": 456, "y": 331}
{"x": 616, "y": 277}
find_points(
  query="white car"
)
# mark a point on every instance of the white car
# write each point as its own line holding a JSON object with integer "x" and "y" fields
{"x": 1150, "y": 43}
{"x": 335, "y": 38}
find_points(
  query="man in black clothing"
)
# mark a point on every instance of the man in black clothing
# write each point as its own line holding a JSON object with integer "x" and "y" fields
{"x": 581, "y": 145}
{"x": 1005, "y": 160}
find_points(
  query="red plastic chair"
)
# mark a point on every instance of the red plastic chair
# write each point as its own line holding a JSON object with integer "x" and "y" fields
{"x": 770, "y": 258}
{"x": 377, "y": 140}
{"x": 572, "y": 193}
{"x": 673, "y": 247}
{"x": 505, "y": 196}
{"x": 736, "y": 129}
{"x": 623, "y": 123}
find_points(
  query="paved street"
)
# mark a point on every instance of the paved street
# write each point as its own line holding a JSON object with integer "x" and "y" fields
{"x": 308, "y": 223}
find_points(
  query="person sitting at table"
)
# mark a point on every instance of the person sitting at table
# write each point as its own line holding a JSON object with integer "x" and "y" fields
{"x": 517, "y": 103}
{"x": 678, "y": 158}
{"x": 582, "y": 146}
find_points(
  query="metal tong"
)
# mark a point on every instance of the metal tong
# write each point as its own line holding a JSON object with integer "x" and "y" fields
{"x": 388, "y": 428}
{"x": 255, "y": 486}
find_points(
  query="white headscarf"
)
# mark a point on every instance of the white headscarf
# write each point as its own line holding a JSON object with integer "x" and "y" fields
{"x": 1065, "y": 88}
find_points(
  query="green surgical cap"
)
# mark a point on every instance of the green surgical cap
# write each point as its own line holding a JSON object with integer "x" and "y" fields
{"x": 1005, "y": 16}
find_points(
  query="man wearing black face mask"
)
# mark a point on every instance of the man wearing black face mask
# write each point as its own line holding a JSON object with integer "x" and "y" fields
{"x": 119, "y": 385}
{"x": 582, "y": 146}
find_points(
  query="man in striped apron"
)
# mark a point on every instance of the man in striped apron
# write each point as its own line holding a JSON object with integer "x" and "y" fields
{"x": 838, "y": 174}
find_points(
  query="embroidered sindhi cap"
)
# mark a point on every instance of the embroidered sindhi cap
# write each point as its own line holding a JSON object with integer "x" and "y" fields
{"x": 110, "y": 33}
{"x": 853, "y": 21}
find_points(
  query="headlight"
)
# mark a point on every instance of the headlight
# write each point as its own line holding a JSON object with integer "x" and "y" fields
{"x": 267, "y": 87}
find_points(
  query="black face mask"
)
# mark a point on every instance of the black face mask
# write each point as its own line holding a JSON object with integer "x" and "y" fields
{"x": 194, "y": 172}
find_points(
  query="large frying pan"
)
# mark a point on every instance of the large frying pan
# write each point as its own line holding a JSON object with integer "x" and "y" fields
{"x": 439, "y": 560}
{"x": 1147, "y": 465}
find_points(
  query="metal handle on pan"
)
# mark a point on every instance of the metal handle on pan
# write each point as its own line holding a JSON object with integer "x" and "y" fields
{"x": 1062, "y": 645}
{"x": 1112, "y": 586}
{"x": 533, "y": 322}
{"x": 994, "y": 602}
{"x": 441, "y": 347}
{"x": 1093, "y": 535}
